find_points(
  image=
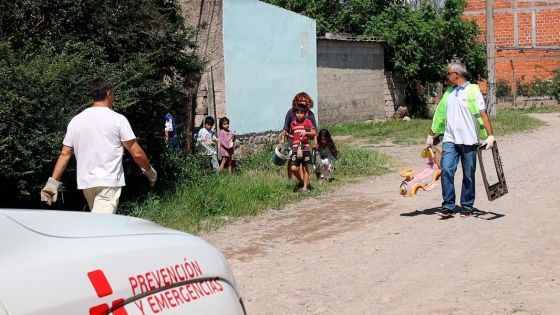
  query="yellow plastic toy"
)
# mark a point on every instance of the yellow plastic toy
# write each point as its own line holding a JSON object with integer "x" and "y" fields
{"x": 428, "y": 179}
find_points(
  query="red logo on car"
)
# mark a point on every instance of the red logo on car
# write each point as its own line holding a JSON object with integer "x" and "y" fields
{"x": 103, "y": 289}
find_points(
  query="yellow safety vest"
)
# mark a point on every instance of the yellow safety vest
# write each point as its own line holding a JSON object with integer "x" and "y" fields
{"x": 438, "y": 122}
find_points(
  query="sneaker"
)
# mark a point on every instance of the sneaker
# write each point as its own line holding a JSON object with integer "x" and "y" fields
{"x": 445, "y": 213}
{"x": 304, "y": 191}
{"x": 466, "y": 213}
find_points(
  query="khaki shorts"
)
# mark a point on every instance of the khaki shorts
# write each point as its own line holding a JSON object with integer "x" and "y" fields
{"x": 103, "y": 199}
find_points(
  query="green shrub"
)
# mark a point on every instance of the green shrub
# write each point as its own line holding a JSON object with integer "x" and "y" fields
{"x": 503, "y": 89}
{"x": 257, "y": 185}
{"x": 542, "y": 87}
{"x": 556, "y": 84}
{"x": 39, "y": 91}
{"x": 50, "y": 51}
{"x": 522, "y": 88}
{"x": 537, "y": 87}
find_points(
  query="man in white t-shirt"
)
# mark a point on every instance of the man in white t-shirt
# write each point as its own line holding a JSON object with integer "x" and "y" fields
{"x": 461, "y": 117}
{"x": 97, "y": 136}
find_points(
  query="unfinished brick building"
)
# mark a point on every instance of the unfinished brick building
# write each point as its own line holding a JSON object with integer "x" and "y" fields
{"x": 527, "y": 34}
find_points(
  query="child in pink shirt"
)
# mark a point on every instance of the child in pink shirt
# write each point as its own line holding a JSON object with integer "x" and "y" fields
{"x": 225, "y": 148}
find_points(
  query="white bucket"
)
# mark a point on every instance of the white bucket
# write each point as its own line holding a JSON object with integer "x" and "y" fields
{"x": 280, "y": 157}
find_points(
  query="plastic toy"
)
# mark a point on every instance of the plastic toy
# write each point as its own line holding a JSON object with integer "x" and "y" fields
{"x": 427, "y": 179}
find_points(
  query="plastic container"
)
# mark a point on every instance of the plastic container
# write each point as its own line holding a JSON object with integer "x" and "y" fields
{"x": 281, "y": 154}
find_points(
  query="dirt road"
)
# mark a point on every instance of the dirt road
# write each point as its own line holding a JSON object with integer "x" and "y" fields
{"x": 365, "y": 250}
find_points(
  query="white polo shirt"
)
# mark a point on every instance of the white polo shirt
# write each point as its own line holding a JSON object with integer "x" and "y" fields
{"x": 461, "y": 126}
{"x": 96, "y": 135}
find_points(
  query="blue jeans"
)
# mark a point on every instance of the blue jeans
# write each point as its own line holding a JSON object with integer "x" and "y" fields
{"x": 173, "y": 144}
{"x": 449, "y": 160}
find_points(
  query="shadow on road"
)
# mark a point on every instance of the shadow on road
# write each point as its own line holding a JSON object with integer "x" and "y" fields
{"x": 477, "y": 213}
{"x": 414, "y": 213}
{"x": 486, "y": 215}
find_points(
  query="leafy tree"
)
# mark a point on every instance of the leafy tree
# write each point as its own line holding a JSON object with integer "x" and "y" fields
{"x": 336, "y": 16}
{"x": 420, "y": 40}
{"x": 50, "y": 50}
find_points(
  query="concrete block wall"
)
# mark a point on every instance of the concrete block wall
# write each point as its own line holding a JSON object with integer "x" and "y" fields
{"x": 522, "y": 23}
{"x": 254, "y": 142}
{"x": 394, "y": 94}
{"x": 350, "y": 80}
{"x": 527, "y": 102}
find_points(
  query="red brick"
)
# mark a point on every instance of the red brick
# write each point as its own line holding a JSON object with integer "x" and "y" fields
{"x": 528, "y": 64}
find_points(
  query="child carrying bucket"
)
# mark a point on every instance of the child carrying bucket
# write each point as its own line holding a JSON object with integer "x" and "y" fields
{"x": 300, "y": 98}
{"x": 300, "y": 131}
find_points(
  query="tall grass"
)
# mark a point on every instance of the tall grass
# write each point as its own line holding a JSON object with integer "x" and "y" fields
{"x": 205, "y": 203}
{"x": 512, "y": 121}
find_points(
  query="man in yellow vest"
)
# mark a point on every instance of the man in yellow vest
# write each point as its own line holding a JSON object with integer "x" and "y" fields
{"x": 461, "y": 117}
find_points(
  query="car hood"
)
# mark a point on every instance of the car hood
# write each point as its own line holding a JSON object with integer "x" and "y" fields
{"x": 50, "y": 255}
{"x": 82, "y": 224}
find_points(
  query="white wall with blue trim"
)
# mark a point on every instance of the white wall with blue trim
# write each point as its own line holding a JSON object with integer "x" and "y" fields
{"x": 270, "y": 54}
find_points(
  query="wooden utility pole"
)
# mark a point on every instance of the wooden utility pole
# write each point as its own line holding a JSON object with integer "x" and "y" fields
{"x": 491, "y": 58}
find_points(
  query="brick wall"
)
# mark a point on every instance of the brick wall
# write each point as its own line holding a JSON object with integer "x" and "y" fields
{"x": 350, "y": 80}
{"x": 522, "y": 24}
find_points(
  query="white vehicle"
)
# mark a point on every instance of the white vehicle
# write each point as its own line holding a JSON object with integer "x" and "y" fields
{"x": 61, "y": 262}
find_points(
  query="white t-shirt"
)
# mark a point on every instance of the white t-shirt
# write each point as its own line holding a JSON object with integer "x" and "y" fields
{"x": 96, "y": 135}
{"x": 207, "y": 138}
{"x": 168, "y": 125}
{"x": 461, "y": 126}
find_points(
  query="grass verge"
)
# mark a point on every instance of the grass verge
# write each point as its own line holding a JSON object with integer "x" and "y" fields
{"x": 211, "y": 200}
{"x": 415, "y": 131}
{"x": 206, "y": 200}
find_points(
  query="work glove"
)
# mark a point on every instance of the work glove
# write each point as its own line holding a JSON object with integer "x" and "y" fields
{"x": 488, "y": 143}
{"x": 151, "y": 175}
{"x": 430, "y": 141}
{"x": 49, "y": 193}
